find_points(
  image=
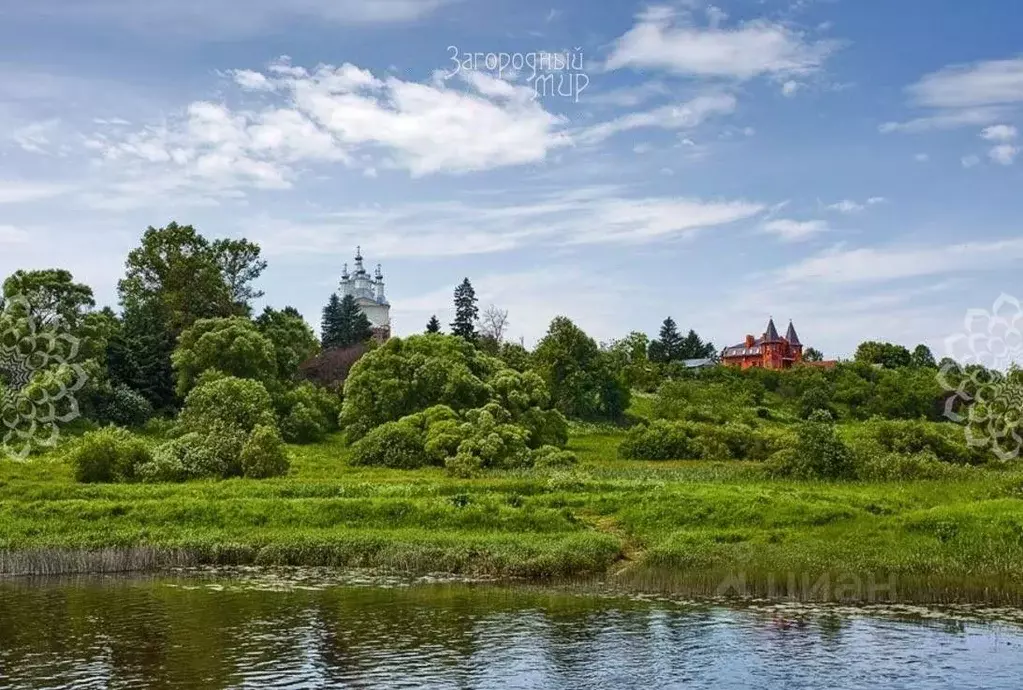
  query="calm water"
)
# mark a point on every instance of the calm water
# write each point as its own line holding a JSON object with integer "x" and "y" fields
{"x": 272, "y": 631}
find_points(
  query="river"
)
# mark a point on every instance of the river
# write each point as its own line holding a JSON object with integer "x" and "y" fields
{"x": 312, "y": 630}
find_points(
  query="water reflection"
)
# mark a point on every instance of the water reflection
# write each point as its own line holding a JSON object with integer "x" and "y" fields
{"x": 164, "y": 633}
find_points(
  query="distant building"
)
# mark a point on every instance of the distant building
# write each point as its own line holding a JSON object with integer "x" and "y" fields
{"x": 769, "y": 351}
{"x": 369, "y": 295}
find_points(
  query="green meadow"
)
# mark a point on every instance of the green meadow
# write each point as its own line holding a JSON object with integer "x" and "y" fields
{"x": 691, "y": 527}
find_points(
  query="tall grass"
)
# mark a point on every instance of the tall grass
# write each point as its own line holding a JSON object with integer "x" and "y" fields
{"x": 685, "y": 526}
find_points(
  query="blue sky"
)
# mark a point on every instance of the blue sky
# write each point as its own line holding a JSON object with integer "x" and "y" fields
{"x": 852, "y": 166}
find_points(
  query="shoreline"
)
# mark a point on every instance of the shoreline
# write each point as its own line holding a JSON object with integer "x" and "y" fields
{"x": 636, "y": 578}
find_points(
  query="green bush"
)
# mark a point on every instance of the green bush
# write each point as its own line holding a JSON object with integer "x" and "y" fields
{"x": 308, "y": 413}
{"x": 263, "y": 454}
{"x": 303, "y": 425}
{"x": 197, "y": 456}
{"x": 946, "y": 442}
{"x": 108, "y": 455}
{"x": 881, "y": 466}
{"x": 234, "y": 346}
{"x": 227, "y": 402}
{"x": 394, "y": 444}
{"x": 819, "y": 452}
{"x": 552, "y": 457}
{"x": 660, "y": 440}
{"x": 125, "y": 407}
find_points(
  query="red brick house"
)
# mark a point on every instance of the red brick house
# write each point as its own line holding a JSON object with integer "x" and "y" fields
{"x": 769, "y": 351}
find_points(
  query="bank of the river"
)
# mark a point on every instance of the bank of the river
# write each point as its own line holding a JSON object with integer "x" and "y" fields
{"x": 693, "y": 527}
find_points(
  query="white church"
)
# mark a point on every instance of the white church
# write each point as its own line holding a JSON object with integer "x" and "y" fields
{"x": 369, "y": 295}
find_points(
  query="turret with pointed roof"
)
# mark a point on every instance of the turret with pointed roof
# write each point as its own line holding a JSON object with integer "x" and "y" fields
{"x": 791, "y": 336}
{"x": 771, "y": 334}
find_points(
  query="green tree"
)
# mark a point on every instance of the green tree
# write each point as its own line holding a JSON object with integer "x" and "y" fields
{"x": 178, "y": 268}
{"x": 404, "y": 376}
{"x": 433, "y": 325}
{"x": 293, "y": 340}
{"x": 52, "y": 295}
{"x": 888, "y": 355}
{"x": 669, "y": 344}
{"x": 923, "y": 358}
{"x": 139, "y": 354}
{"x": 693, "y": 347}
{"x": 581, "y": 378}
{"x": 232, "y": 346}
{"x": 812, "y": 354}
{"x": 330, "y": 325}
{"x": 240, "y": 265}
{"x": 466, "y": 312}
{"x": 354, "y": 326}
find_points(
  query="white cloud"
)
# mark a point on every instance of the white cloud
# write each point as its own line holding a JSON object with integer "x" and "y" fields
{"x": 846, "y": 206}
{"x": 850, "y": 206}
{"x": 921, "y": 158}
{"x": 950, "y": 119}
{"x": 999, "y": 133}
{"x": 12, "y": 192}
{"x": 995, "y": 82}
{"x": 665, "y": 39}
{"x": 970, "y": 161}
{"x": 789, "y": 230}
{"x": 337, "y": 114}
{"x": 598, "y": 215}
{"x": 877, "y": 264}
{"x": 979, "y": 93}
{"x": 790, "y": 88}
{"x": 36, "y": 137}
{"x": 685, "y": 116}
{"x": 1003, "y": 154}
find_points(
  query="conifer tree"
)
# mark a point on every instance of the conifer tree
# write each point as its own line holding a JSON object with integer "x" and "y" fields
{"x": 354, "y": 326}
{"x": 330, "y": 326}
{"x": 669, "y": 345}
{"x": 433, "y": 325}
{"x": 466, "y": 312}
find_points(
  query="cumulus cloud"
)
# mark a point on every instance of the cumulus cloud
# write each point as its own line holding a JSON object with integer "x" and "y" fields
{"x": 1003, "y": 154}
{"x": 999, "y": 133}
{"x": 340, "y": 114}
{"x": 663, "y": 38}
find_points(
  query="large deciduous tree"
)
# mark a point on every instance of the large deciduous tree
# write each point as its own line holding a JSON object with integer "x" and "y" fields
{"x": 232, "y": 346}
{"x": 51, "y": 296}
{"x": 581, "y": 378}
{"x": 293, "y": 340}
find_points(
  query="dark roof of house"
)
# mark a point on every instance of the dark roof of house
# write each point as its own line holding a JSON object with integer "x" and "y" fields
{"x": 791, "y": 335}
{"x": 772, "y": 333}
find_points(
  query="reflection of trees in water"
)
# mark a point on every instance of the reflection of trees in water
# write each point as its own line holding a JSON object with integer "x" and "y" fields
{"x": 144, "y": 633}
